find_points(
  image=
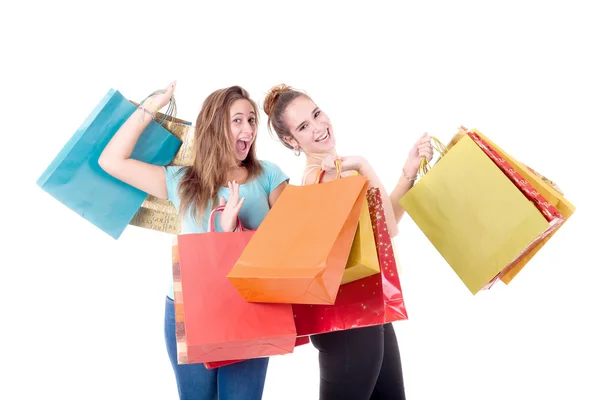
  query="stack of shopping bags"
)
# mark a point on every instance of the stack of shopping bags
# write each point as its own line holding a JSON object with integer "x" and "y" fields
{"x": 322, "y": 260}
{"x": 158, "y": 214}
{"x": 326, "y": 249}
{"x": 247, "y": 294}
{"x": 75, "y": 179}
{"x": 486, "y": 213}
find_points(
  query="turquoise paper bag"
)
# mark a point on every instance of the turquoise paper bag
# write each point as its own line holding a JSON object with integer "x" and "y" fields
{"x": 75, "y": 179}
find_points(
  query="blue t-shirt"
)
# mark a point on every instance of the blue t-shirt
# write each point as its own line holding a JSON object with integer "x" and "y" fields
{"x": 254, "y": 210}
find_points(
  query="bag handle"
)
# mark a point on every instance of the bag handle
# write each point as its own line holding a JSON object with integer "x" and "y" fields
{"x": 168, "y": 118}
{"x": 338, "y": 168}
{"x": 425, "y": 166}
{"x": 171, "y": 111}
{"x": 211, "y": 225}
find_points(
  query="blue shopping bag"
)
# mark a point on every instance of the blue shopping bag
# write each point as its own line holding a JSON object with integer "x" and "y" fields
{"x": 75, "y": 179}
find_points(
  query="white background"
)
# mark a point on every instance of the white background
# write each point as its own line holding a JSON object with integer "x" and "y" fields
{"x": 83, "y": 314}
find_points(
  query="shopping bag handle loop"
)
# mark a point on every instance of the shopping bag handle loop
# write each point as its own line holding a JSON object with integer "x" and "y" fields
{"x": 338, "y": 168}
{"x": 171, "y": 112}
{"x": 211, "y": 225}
{"x": 440, "y": 148}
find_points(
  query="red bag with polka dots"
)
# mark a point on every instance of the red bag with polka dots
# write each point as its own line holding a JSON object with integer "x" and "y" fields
{"x": 375, "y": 300}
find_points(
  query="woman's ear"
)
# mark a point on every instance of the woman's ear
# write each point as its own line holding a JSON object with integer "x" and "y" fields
{"x": 289, "y": 140}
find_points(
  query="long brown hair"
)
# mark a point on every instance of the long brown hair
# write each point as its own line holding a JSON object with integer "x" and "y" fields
{"x": 275, "y": 104}
{"x": 214, "y": 152}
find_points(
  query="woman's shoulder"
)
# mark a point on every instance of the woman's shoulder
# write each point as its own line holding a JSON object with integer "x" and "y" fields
{"x": 271, "y": 176}
{"x": 268, "y": 165}
{"x": 269, "y": 168}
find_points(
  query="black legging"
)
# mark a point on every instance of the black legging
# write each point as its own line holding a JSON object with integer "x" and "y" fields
{"x": 360, "y": 364}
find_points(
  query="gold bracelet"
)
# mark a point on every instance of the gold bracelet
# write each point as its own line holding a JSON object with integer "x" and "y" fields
{"x": 408, "y": 177}
{"x": 151, "y": 104}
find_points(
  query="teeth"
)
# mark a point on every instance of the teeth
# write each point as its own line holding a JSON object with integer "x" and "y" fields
{"x": 320, "y": 139}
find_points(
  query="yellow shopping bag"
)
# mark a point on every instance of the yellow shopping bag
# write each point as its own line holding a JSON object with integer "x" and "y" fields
{"x": 474, "y": 215}
{"x": 363, "y": 261}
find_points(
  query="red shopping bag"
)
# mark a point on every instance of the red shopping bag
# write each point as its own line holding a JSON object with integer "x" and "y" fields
{"x": 370, "y": 301}
{"x": 218, "y": 324}
{"x": 212, "y": 365}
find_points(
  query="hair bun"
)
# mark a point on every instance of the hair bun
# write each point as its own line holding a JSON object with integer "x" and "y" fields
{"x": 272, "y": 96}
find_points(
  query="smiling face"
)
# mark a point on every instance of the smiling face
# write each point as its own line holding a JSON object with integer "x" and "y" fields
{"x": 310, "y": 127}
{"x": 242, "y": 127}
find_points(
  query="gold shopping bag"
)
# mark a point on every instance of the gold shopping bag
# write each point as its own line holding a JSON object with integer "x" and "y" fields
{"x": 363, "y": 261}
{"x": 158, "y": 214}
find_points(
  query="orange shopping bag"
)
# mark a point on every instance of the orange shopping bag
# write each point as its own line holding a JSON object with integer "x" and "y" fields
{"x": 370, "y": 301}
{"x": 299, "y": 252}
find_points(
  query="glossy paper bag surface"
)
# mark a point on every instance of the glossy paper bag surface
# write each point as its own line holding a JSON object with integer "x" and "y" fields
{"x": 300, "y": 341}
{"x": 370, "y": 301}
{"x": 158, "y": 215}
{"x": 362, "y": 261}
{"x": 299, "y": 252}
{"x": 218, "y": 324}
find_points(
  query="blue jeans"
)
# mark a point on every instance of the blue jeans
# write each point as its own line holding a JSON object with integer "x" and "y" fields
{"x": 241, "y": 381}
